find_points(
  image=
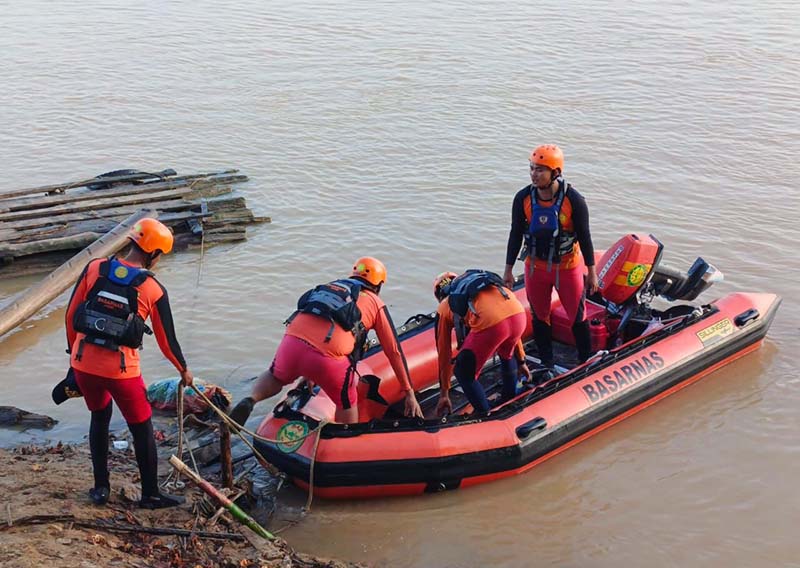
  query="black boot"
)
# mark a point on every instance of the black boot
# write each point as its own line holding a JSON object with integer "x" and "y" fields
{"x": 242, "y": 411}
{"x": 98, "y": 445}
{"x": 144, "y": 445}
{"x": 583, "y": 339}
{"x": 543, "y": 336}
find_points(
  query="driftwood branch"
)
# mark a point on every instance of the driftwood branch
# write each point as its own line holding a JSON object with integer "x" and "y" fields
{"x": 117, "y": 527}
{"x": 13, "y": 416}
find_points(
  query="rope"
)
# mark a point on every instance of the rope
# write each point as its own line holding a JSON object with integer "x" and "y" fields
{"x": 202, "y": 252}
{"x": 241, "y": 430}
{"x": 311, "y": 470}
{"x": 169, "y": 483}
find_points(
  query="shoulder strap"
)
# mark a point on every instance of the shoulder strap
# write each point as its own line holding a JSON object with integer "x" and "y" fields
{"x": 102, "y": 276}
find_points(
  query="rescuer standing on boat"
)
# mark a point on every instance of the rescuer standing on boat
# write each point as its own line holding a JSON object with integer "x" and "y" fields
{"x": 488, "y": 319}
{"x": 105, "y": 324}
{"x": 326, "y": 337}
{"x": 552, "y": 218}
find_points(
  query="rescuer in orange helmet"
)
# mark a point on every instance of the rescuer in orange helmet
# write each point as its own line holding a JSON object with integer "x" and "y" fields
{"x": 488, "y": 319}
{"x": 105, "y": 324}
{"x": 326, "y": 337}
{"x": 552, "y": 219}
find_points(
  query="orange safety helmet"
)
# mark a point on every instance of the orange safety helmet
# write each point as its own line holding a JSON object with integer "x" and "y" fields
{"x": 548, "y": 155}
{"x": 440, "y": 284}
{"x": 370, "y": 269}
{"x": 151, "y": 236}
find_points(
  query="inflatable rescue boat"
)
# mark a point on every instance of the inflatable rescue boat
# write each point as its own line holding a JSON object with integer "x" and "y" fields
{"x": 643, "y": 354}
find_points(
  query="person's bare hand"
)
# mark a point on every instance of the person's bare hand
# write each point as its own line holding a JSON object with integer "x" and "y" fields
{"x": 412, "y": 408}
{"x": 444, "y": 406}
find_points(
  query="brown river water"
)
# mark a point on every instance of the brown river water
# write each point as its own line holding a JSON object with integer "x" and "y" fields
{"x": 402, "y": 131}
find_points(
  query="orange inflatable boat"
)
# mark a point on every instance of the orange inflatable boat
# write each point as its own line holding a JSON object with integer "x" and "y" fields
{"x": 643, "y": 355}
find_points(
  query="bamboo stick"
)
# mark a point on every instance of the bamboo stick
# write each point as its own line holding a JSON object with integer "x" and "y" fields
{"x": 61, "y": 187}
{"x": 210, "y": 490}
{"x": 38, "y": 295}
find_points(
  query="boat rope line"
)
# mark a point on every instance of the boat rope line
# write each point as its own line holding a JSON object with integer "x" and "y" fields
{"x": 241, "y": 431}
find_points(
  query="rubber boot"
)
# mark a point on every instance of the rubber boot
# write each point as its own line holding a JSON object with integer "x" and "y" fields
{"x": 509, "y": 370}
{"x": 543, "y": 336}
{"x": 144, "y": 445}
{"x": 242, "y": 411}
{"x": 583, "y": 339}
{"x": 98, "y": 445}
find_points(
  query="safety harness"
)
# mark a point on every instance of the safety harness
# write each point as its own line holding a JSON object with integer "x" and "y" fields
{"x": 546, "y": 239}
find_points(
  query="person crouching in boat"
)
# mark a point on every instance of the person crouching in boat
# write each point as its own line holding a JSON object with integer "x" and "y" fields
{"x": 488, "y": 319}
{"x": 105, "y": 325}
{"x": 553, "y": 220}
{"x": 326, "y": 337}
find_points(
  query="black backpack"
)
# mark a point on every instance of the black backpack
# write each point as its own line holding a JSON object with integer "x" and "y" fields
{"x": 109, "y": 317}
{"x": 336, "y": 302}
{"x": 462, "y": 290}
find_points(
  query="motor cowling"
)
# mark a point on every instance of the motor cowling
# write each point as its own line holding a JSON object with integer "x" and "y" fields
{"x": 626, "y": 265}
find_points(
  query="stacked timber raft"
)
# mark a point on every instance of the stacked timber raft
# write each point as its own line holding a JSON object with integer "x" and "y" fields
{"x": 42, "y": 226}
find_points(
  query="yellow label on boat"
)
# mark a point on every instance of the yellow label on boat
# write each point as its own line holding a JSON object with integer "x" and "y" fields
{"x": 291, "y": 436}
{"x": 716, "y": 331}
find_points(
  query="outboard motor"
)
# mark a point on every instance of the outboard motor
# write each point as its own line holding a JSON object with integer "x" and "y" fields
{"x": 674, "y": 285}
{"x": 630, "y": 270}
{"x": 630, "y": 276}
{"x": 627, "y": 266}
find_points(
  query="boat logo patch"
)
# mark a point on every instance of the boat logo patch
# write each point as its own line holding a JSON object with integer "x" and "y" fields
{"x": 291, "y": 436}
{"x": 637, "y": 274}
{"x": 715, "y": 332}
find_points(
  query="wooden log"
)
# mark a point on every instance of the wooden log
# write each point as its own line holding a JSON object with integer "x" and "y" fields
{"x": 61, "y": 187}
{"x": 101, "y": 226}
{"x": 104, "y": 203}
{"x": 227, "y": 204}
{"x": 226, "y": 461}
{"x": 13, "y": 416}
{"x": 121, "y": 191}
{"x": 112, "y": 212}
{"x": 38, "y": 295}
{"x": 78, "y": 241}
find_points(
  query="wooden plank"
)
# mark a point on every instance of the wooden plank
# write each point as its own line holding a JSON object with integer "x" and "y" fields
{"x": 78, "y": 241}
{"x": 39, "y": 295}
{"x": 88, "y": 195}
{"x": 87, "y": 225}
{"x": 113, "y": 212}
{"x": 61, "y": 187}
{"x": 106, "y": 203}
